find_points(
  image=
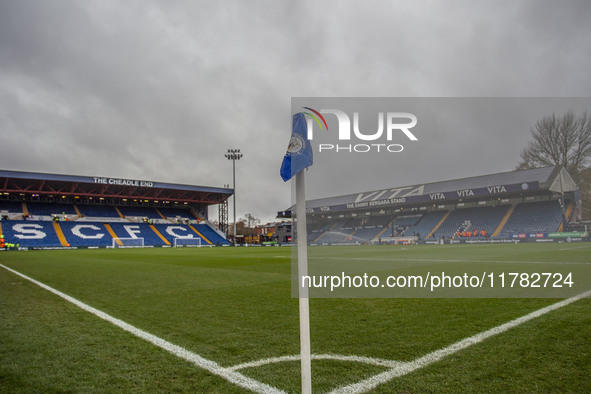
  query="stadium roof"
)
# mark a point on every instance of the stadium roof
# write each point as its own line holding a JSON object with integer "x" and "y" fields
{"x": 84, "y": 186}
{"x": 537, "y": 180}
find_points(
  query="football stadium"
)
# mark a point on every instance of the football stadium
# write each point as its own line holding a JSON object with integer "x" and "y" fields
{"x": 48, "y": 211}
{"x": 529, "y": 205}
{"x": 423, "y": 226}
{"x": 112, "y": 284}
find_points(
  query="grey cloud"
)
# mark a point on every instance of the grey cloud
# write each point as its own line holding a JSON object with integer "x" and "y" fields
{"x": 159, "y": 90}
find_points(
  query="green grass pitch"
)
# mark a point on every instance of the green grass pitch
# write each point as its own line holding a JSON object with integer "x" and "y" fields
{"x": 234, "y": 306}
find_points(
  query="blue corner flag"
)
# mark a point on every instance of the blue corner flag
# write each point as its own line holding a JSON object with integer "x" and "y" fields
{"x": 299, "y": 150}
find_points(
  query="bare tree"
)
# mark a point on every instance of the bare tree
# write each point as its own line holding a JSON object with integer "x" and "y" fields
{"x": 251, "y": 221}
{"x": 559, "y": 140}
{"x": 240, "y": 227}
{"x": 563, "y": 140}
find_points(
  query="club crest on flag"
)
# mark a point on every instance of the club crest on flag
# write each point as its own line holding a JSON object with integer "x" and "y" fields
{"x": 296, "y": 144}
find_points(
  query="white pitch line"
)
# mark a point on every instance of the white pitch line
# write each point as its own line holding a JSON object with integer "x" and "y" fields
{"x": 450, "y": 260}
{"x": 359, "y": 359}
{"x": 211, "y": 366}
{"x": 576, "y": 247}
{"x": 406, "y": 368}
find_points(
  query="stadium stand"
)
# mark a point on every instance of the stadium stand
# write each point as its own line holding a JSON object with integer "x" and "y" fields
{"x": 170, "y": 232}
{"x": 11, "y": 206}
{"x": 497, "y": 206}
{"x": 357, "y": 229}
{"x": 334, "y": 237}
{"x": 469, "y": 219}
{"x": 377, "y": 221}
{"x": 46, "y": 209}
{"x": 86, "y": 234}
{"x": 78, "y": 233}
{"x": 568, "y": 215}
{"x": 317, "y": 230}
{"x": 139, "y": 212}
{"x": 371, "y": 228}
{"x": 139, "y": 230}
{"x": 403, "y": 223}
{"x": 425, "y": 225}
{"x": 30, "y": 234}
{"x": 98, "y": 211}
{"x": 366, "y": 233}
{"x": 211, "y": 234}
{"x": 176, "y": 212}
{"x": 51, "y": 211}
{"x": 334, "y": 232}
{"x": 532, "y": 204}
{"x": 533, "y": 217}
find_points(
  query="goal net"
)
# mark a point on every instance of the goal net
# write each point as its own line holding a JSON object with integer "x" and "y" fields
{"x": 128, "y": 242}
{"x": 189, "y": 242}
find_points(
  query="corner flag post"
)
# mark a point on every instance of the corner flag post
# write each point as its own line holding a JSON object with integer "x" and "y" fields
{"x": 297, "y": 158}
{"x": 302, "y": 235}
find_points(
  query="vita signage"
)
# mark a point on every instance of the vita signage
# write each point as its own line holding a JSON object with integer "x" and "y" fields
{"x": 420, "y": 194}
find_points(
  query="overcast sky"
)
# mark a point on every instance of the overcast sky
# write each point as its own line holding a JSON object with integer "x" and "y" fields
{"x": 159, "y": 90}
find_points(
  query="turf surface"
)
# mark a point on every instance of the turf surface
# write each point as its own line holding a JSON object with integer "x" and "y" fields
{"x": 234, "y": 305}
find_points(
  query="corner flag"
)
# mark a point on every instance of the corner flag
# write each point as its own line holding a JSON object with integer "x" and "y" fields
{"x": 299, "y": 150}
{"x": 297, "y": 158}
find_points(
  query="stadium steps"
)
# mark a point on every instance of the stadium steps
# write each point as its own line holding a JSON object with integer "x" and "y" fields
{"x": 324, "y": 233}
{"x": 569, "y": 211}
{"x": 201, "y": 235}
{"x": 113, "y": 234}
{"x": 443, "y": 219}
{"x": 160, "y": 213}
{"x": 119, "y": 213}
{"x": 60, "y": 234}
{"x": 567, "y": 216}
{"x": 194, "y": 213}
{"x": 504, "y": 221}
{"x": 25, "y": 210}
{"x": 158, "y": 233}
{"x": 349, "y": 237}
{"x": 383, "y": 230}
{"x": 77, "y": 211}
